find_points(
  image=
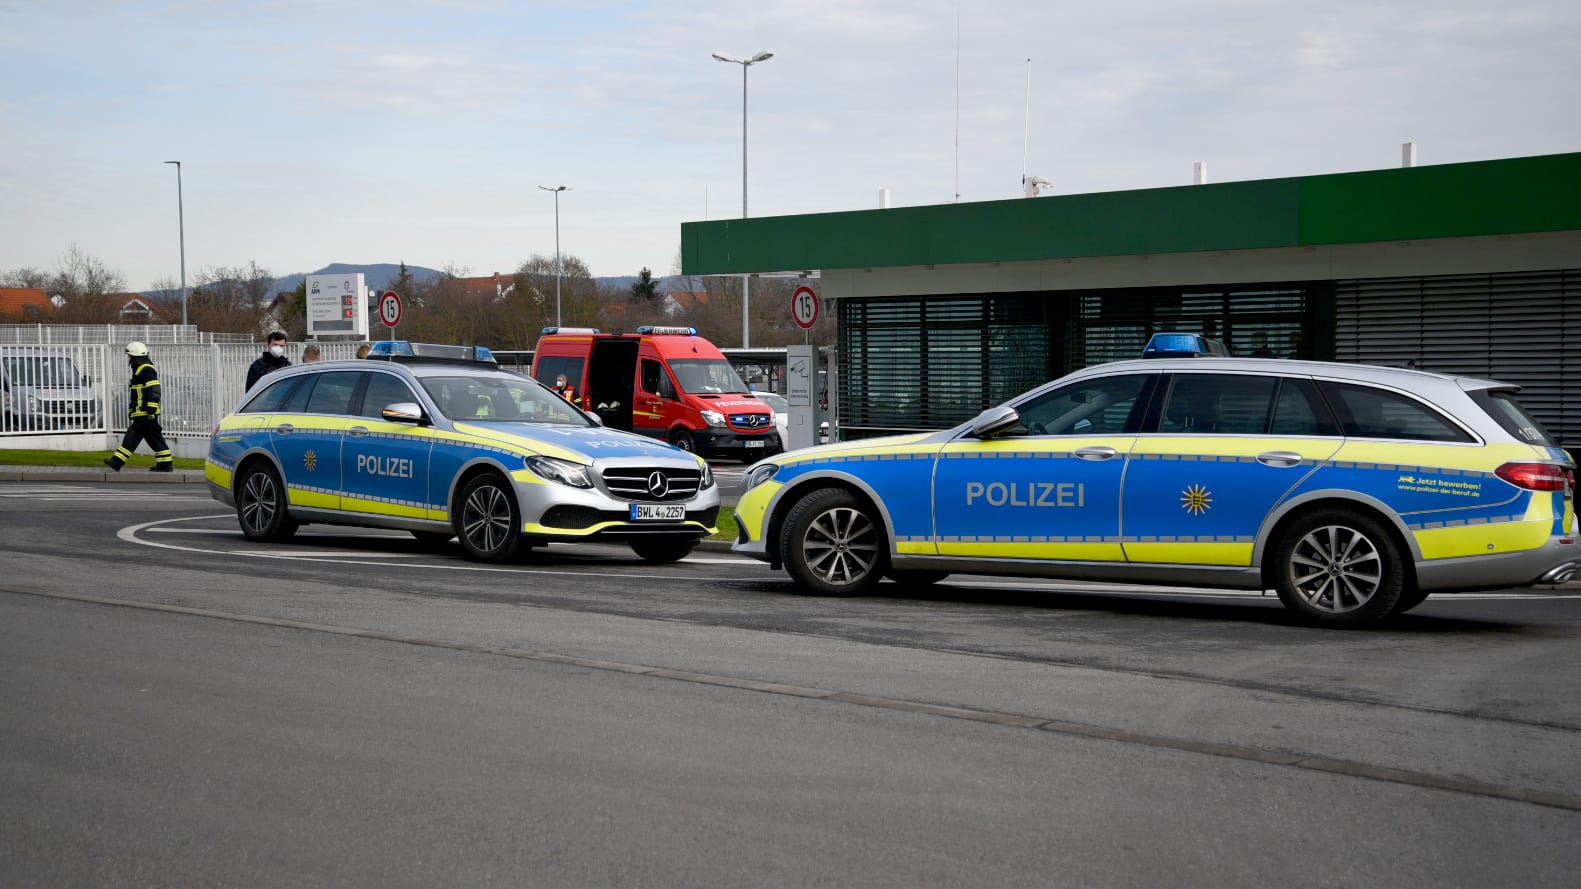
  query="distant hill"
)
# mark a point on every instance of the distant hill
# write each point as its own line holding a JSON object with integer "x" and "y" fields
{"x": 378, "y": 275}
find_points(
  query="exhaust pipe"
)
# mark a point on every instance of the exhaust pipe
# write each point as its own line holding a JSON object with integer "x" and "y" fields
{"x": 1562, "y": 574}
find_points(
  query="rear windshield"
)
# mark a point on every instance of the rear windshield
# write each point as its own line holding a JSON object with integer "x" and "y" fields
{"x": 1502, "y": 407}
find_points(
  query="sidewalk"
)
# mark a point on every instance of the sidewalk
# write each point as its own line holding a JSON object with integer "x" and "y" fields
{"x": 138, "y": 474}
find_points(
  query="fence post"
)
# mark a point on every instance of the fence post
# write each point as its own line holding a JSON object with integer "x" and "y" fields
{"x": 217, "y": 390}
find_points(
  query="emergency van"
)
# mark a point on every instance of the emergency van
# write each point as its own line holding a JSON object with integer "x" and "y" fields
{"x": 667, "y": 383}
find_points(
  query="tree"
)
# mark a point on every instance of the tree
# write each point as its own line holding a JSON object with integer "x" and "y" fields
{"x": 231, "y": 300}
{"x": 645, "y": 290}
{"x": 31, "y": 278}
{"x": 85, "y": 286}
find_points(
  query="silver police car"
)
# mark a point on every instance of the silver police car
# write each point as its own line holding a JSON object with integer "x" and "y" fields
{"x": 1352, "y": 491}
{"x": 438, "y": 441}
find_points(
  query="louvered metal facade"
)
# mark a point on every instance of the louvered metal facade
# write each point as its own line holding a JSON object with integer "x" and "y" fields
{"x": 1519, "y": 327}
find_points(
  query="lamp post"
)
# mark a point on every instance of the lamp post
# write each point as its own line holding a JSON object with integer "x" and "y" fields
{"x": 181, "y": 230}
{"x": 746, "y": 302}
{"x": 557, "y": 189}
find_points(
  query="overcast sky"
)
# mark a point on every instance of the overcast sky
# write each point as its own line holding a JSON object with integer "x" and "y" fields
{"x": 318, "y": 131}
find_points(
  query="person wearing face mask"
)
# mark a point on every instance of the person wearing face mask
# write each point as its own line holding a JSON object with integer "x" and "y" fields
{"x": 144, "y": 425}
{"x": 271, "y": 360}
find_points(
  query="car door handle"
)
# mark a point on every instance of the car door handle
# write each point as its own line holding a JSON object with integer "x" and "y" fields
{"x": 284, "y": 428}
{"x": 1096, "y": 452}
{"x": 1279, "y": 458}
{"x": 358, "y": 430}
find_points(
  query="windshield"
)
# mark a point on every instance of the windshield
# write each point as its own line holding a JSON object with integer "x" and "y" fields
{"x": 37, "y": 371}
{"x": 707, "y": 376}
{"x": 501, "y": 398}
{"x": 777, "y": 402}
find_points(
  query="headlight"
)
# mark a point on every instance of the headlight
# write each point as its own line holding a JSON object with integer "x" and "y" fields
{"x": 713, "y": 418}
{"x": 563, "y": 471}
{"x": 707, "y": 479}
{"x": 757, "y": 475}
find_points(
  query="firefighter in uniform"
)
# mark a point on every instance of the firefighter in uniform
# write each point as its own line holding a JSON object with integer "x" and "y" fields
{"x": 563, "y": 387}
{"x": 144, "y": 424}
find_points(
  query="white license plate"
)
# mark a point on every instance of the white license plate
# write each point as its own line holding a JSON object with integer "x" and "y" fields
{"x": 658, "y": 512}
{"x": 753, "y": 443}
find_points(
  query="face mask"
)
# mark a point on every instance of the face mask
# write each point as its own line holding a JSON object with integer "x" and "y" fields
{"x": 277, "y": 351}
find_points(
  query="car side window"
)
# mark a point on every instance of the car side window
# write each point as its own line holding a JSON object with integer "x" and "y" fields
{"x": 296, "y": 402}
{"x": 1301, "y": 411}
{"x": 383, "y": 391}
{"x": 272, "y": 398}
{"x": 1367, "y": 412}
{"x": 1102, "y": 406}
{"x": 1218, "y": 404}
{"x": 332, "y": 394}
{"x": 651, "y": 374}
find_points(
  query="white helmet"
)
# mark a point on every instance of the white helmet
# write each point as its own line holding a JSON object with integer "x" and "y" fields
{"x": 137, "y": 350}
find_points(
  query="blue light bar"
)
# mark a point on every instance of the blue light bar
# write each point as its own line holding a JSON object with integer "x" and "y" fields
{"x": 653, "y": 330}
{"x": 549, "y": 331}
{"x": 1182, "y": 345}
{"x": 409, "y": 352}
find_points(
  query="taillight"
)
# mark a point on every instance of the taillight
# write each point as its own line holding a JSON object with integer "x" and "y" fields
{"x": 1537, "y": 476}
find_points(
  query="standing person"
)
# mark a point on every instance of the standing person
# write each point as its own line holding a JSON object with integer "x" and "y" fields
{"x": 271, "y": 360}
{"x": 311, "y": 354}
{"x": 144, "y": 424}
{"x": 564, "y": 389}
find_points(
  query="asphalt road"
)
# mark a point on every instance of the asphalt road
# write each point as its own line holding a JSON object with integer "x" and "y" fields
{"x": 180, "y": 706}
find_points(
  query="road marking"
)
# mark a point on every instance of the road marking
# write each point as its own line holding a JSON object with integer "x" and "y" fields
{"x": 1329, "y": 765}
{"x": 130, "y": 532}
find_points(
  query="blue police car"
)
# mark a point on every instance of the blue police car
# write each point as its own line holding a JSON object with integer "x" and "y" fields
{"x": 440, "y": 442}
{"x": 1352, "y": 491}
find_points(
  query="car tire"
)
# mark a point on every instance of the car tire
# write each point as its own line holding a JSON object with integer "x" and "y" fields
{"x": 261, "y": 504}
{"x": 487, "y": 520}
{"x": 662, "y": 549}
{"x": 1338, "y": 568}
{"x": 832, "y": 545}
{"x": 916, "y": 576}
{"x": 683, "y": 440}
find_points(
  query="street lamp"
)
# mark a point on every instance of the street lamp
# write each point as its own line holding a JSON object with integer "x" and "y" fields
{"x": 557, "y": 189}
{"x": 181, "y": 230}
{"x": 746, "y": 332}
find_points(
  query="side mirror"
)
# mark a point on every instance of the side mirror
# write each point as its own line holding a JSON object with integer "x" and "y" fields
{"x": 404, "y": 412}
{"x": 593, "y": 415}
{"x": 994, "y": 421}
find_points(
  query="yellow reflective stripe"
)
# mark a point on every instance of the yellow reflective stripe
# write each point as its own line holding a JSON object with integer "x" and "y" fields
{"x": 1081, "y": 552}
{"x": 1191, "y": 553}
{"x": 219, "y": 475}
{"x": 379, "y": 507}
{"x": 313, "y": 499}
{"x": 1482, "y": 540}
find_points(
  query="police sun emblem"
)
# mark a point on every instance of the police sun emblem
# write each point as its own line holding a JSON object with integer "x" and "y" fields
{"x": 310, "y": 460}
{"x": 1196, "y": 500}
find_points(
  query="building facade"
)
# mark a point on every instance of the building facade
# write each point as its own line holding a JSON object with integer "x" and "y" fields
{"x": 944, "y": 310}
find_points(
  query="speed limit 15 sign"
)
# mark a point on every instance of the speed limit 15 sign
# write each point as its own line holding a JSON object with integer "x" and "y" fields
{"x": 804, "y": 307}
{"x": 390, "y": 308}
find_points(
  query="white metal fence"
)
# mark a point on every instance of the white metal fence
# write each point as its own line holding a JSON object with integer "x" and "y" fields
{"x": 55, "y": 389}
{"x": 96, "y": 334}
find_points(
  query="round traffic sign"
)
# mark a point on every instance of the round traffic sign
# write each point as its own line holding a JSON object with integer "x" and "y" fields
{"x": 390, "y": 308}
{"x": 804, "y": 307}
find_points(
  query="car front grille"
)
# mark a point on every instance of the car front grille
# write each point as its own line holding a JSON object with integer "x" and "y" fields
{"x": 751, "y": 421}
{"x": 649, "y": 484}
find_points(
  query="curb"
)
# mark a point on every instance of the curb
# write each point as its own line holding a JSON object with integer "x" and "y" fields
{"x": 133, "y": 474}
